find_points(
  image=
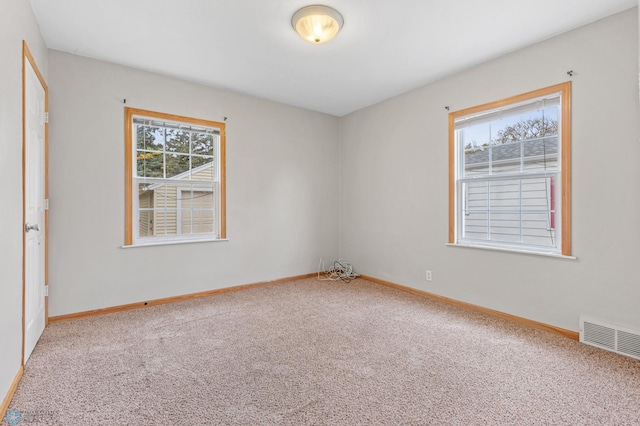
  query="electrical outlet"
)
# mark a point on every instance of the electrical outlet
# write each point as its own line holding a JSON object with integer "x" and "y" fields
{"x": 428, "y": 275}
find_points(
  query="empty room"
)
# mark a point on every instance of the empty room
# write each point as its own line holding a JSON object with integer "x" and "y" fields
{"x": 346, "y": 213}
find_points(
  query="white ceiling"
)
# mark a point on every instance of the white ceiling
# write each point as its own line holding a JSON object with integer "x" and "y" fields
{"x": 385, "y": 48}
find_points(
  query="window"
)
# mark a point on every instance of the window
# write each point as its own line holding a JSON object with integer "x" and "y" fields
{"x": 509, "y": 173}
{"x": 175, "y": 187}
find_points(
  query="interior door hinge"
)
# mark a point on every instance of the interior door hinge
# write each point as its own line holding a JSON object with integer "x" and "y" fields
{"x": 46, "y": 290}
{"x": 46, "y": 204}
{"x": 46, "y": 118}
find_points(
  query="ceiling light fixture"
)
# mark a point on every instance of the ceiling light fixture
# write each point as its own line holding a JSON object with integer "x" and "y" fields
{"x": 317, "y": 24}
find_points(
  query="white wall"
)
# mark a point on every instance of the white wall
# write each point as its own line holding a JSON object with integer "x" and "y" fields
{"x": 17, "y": 23}
{"x": 282, "y": 181}
{"x": 394, "y": 189}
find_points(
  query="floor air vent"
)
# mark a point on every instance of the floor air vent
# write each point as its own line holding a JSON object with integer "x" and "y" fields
{"x": 610, "y": 337}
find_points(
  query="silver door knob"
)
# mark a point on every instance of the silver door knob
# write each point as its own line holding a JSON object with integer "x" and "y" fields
{"x": 28, "y": 227}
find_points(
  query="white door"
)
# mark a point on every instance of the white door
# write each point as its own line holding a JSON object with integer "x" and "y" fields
{"x": 34, "y": 205}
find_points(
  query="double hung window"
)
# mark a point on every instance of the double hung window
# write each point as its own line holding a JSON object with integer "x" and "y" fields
{"x": 175, "y": 178}
{"x": 510, "y": 173}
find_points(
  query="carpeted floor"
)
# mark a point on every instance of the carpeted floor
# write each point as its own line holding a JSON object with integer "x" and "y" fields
{"x": 320, "y": 353}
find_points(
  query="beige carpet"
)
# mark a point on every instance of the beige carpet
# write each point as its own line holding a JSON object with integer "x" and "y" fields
{"x": 320, "y": 353}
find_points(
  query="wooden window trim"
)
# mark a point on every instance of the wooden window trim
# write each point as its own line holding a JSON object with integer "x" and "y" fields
{"x": 128, "y": 158}
{"x": 565, "y": 95}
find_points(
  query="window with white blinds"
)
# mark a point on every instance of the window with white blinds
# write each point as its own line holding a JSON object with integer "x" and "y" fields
{"x": 175, "y": 178}
{"x": 510, "y": 173}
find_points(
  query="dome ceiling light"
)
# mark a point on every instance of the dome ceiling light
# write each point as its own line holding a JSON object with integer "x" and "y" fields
{"x": 317, "y": 24}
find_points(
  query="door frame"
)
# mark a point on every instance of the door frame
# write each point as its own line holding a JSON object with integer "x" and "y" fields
{"x": 27, "y": 56}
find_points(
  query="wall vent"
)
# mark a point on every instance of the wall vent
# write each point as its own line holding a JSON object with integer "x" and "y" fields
{"x": 610, "y": 337}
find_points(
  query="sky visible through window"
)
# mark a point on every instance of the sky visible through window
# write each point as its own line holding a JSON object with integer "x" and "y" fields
{"x": 482, "y": 133}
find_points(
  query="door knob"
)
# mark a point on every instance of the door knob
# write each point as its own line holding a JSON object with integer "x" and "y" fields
{"x": 28, "y": 227}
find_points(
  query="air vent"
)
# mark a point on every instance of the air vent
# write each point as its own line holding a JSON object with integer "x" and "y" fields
{"x": 610, "y": 337}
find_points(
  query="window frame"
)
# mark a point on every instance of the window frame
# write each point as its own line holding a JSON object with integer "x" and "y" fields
{"x": 564, "y": 90}
{"x": 130, "y": 170}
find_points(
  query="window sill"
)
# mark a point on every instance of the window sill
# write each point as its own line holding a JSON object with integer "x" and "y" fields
{"x": 170, "y": 243}
{"x": 513, "y": 250}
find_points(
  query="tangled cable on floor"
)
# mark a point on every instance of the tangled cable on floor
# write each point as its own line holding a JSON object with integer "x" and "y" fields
{"x": 340, "y": 270}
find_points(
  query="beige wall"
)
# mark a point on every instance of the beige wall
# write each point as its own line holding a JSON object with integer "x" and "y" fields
{"x": 394, "y": 189}
{"x": 282, "y": 181}
{"x": 17, "y": 23}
